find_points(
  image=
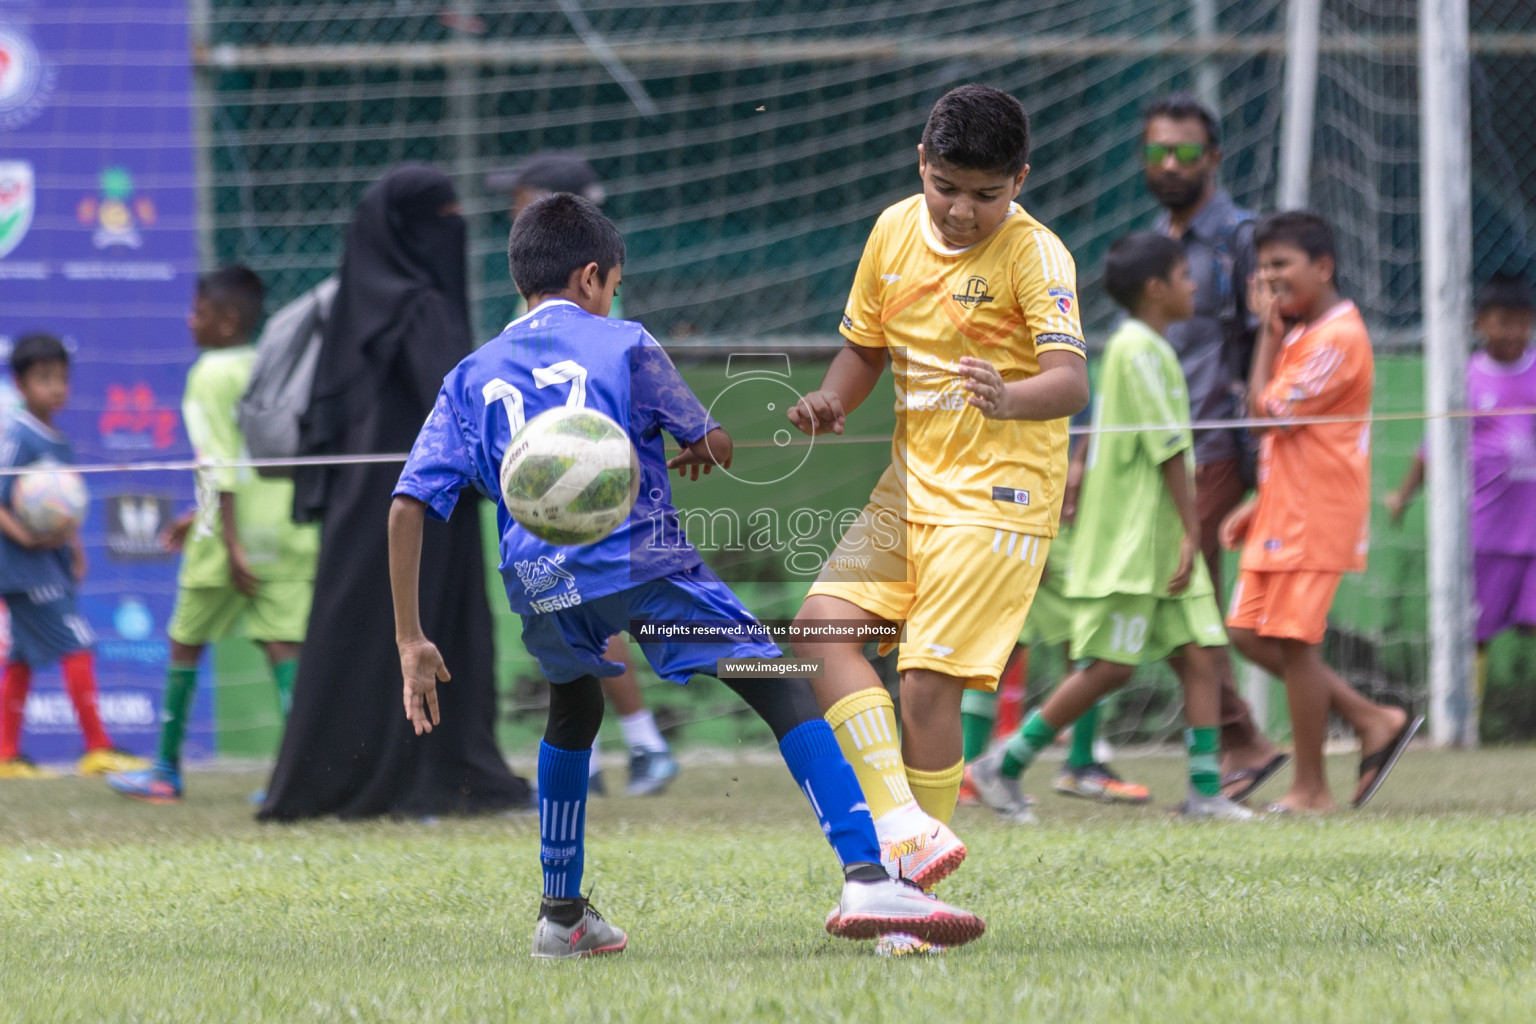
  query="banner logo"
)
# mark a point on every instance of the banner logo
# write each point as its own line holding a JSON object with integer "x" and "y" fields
{"x": 134, "y": 522}
{"x": 115, "y": 212}
{"x": 134, "y": 421}
{"x": 26, "y": 82}
{"x": 18, "y": 198}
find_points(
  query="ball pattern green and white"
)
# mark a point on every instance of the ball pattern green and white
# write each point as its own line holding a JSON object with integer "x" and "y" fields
{"x": 570, "y": 476}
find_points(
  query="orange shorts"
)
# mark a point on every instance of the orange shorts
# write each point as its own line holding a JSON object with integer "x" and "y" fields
{"x": 1287, "y": 605}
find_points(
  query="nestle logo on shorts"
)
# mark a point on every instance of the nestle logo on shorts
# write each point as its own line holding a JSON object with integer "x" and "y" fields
{"x": 1012, "y": 495}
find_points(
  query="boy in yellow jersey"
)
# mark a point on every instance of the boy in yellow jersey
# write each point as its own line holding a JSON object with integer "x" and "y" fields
{"x": 974, "y": 304}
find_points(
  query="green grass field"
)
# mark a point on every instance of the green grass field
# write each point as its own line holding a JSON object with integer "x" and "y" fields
{"x": 1419, "y": 908}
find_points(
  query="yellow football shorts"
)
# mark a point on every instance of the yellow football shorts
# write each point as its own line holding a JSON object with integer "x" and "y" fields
{"x": 279, "y": 610}
{"x": 962, "y": 591}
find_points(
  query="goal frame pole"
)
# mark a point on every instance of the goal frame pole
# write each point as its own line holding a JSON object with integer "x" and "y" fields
{"x": 1445, "y": 142}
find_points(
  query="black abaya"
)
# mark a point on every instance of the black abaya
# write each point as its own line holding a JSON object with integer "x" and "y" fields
{"x": 399, "y": 324}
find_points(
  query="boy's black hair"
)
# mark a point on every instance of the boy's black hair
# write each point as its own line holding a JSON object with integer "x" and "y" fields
{"x": 1503, "y": 291}
{"x": 978, "y": 128}
{"x": 237, "y": 287}
{"x": 1184, "y": 106}
{"x": 35, "y": 350}
{"x": 556, "y": 235}
{"x": 1134, "y": 260}
{"x": 1305, "y": 229}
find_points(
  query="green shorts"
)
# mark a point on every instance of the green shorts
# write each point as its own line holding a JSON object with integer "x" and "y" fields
{"x": 1130, "y": 629}
{"x": 279, "y": 610}
{"x": 1050, "y": 614}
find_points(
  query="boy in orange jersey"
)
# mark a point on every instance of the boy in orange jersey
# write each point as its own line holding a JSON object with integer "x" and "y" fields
{"x": 973, "y": 303}
{"x": 1310, "y": 522}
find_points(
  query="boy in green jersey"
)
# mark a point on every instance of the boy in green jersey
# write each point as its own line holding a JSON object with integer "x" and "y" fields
{"x": 242, "y": 554}
{"x": 1141, "y": 591}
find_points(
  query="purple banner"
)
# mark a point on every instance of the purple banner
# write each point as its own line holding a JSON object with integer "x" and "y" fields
{"x": 98, "y": 245}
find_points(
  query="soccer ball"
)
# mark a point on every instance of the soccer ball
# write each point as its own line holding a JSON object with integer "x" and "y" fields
{"x": 570, "y": 476}
{"x": 48, "y": 500}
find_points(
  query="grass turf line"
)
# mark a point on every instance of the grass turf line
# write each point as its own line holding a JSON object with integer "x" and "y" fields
{"x": 1418, "y": 907}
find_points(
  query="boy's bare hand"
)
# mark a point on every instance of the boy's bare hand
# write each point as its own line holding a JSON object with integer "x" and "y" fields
{"x": 711, "y": 450}
{"x": 48, "y": 541}
{"x": 1189, "y": 550}
{"x": 819, "y": 412}
{"x": 174, "y": 537}
{"x": 78, "y": 564}
{"x": 985, "y": 385}
{"x": 1262, "y": 304}
{"x": 1397, "y": 504}
{"x": 1234, "y": 529}
{"x": 422, "y": 667}
{"x": 240, "y": 573}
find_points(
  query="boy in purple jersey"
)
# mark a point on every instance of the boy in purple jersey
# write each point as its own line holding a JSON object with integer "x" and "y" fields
{"x": 1501, "y": 377}
{"x": 566, "y": 260}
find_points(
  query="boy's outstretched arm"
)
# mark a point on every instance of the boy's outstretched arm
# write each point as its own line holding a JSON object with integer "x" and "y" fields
{"x": 713, "y": 449}
{"x": 1176, "y": 479}
{"x": 1059, "y": 390}
{"x": 849, "y": 380}
{"x": 421, "y": 664}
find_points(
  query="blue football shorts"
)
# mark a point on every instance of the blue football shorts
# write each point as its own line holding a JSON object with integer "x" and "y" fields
{"x": 570, "y": 643}
{"x": 45, "y": 626}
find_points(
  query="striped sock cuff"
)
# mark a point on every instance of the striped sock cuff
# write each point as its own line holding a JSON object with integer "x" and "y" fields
{"x": 979, "y": 702}
{"x": 857, "y": 703}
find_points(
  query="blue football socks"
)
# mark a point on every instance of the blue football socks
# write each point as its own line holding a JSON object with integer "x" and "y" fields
{"x": 562, "y": 818}
{"x": 823, "y": 775}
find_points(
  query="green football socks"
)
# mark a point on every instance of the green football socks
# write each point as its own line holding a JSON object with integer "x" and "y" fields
{"x": 1084, "y": 731}
{"x": 1034, "y": 736}
{"x": 180, "y": 686}
{"x": 1204, "y": 745}
{"x": 978, "y": 710}
{"x": 284, "y": 672}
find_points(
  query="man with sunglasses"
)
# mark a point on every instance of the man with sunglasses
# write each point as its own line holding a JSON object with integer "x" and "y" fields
{"x": 1181, "y": 151}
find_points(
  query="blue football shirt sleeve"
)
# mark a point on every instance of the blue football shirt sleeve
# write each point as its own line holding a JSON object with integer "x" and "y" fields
{"x": 441, "y": 463}
{"x": 11, "y": 456}
{"x": 661, "y": 399}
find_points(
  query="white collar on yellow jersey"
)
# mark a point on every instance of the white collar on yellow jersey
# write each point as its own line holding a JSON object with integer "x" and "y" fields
{"x": 931, "y": 236}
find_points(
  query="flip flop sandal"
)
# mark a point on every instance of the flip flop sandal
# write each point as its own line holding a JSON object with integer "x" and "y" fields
{"x": 1385, "y": 759}
{"x": 1255, "y": 777}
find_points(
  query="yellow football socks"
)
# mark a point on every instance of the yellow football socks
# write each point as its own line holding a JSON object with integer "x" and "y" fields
{"x": 936, "y": 792}
{"x": 865, "y": 726}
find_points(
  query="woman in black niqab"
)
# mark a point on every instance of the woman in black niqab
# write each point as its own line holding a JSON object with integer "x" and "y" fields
{"x": 400, "y": 322}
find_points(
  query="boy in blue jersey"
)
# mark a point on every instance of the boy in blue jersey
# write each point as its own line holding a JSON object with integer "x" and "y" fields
{"x": 39, "y": 573}
{"x": 566, "y": 260}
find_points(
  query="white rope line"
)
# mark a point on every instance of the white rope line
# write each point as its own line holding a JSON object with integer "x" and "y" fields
{"x": 202, "y": 465}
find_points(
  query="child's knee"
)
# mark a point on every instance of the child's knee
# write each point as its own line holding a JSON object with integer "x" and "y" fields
{"x": 575, "y": 713}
